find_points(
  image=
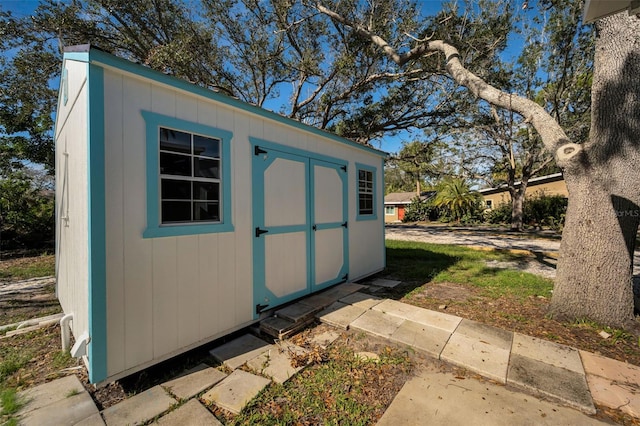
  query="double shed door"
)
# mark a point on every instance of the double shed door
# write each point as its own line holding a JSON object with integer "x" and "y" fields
{"x": 300, "y": 225}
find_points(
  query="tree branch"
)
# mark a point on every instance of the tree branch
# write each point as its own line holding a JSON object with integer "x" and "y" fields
{"x": 553, "y": 136}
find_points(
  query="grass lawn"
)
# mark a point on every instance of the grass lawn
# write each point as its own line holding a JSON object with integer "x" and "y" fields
{"x": 23, "y": 268}
{"x": 411, "y": 261}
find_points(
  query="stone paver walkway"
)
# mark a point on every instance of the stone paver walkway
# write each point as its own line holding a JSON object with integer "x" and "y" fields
{"x": 571, "y": 377}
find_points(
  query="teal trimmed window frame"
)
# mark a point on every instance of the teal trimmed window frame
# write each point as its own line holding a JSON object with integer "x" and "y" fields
{"x": 373, "y": 170}
{"x": 155, "y": 228}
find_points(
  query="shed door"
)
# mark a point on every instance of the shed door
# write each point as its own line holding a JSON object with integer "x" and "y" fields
{"x": 299, "y": 209}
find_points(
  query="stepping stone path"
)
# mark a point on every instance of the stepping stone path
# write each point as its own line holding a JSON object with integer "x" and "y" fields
{"x": 573, "y": 377}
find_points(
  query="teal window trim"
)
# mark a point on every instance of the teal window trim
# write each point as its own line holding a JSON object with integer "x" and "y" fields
{"x": 154, "y": 227}
{"x": 373, "y": 170}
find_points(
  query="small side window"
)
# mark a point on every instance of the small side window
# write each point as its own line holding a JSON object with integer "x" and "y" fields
{"x": 366, "y": 176}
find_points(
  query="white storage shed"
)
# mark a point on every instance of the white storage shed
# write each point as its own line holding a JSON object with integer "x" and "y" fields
{"x": 183, "y": 214}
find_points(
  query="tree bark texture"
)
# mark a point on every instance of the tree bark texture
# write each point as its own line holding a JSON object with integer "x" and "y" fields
{"x": 517, "y": 208}
{"x": 595, "y": 268}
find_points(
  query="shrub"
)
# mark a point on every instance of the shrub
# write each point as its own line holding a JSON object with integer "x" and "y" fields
{"x": 419, "y": 210}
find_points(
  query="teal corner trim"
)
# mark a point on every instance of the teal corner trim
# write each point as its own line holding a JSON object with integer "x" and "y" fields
{"x": 128, "y": 66}
{"x": 384, "y": 246}
{"x": 154, "y": 228}
{"x": 97, "y": 348}
{"x": 374, "y": 170}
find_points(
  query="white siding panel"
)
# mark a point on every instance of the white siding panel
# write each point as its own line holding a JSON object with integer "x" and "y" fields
{"x": 208, "y": 280}
{"x": 165, "y": 296}
{"x": 114, "y": 216}
{"x": 73, "y": 269}
{"x": 137, "y": 251}
{"x": 226, "y": 280}
{"x": 188, "y": 290}
{"x": 241, "y": 157}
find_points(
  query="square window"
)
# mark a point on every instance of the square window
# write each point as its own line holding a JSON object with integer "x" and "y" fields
{"x": 188, "y": 177}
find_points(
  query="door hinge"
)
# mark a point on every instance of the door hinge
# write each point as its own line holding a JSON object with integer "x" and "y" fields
{"x": 314, "y": 227}
{"x": 260, "y": 308}
{"x": 345, "y": 278}
{"x": 345, "y": 225}
{"x": 260, "y": 232}
{"x": 344, "y": 168}
{"x": 257, "y": 150}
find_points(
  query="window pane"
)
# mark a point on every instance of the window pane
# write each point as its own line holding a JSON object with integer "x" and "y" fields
{"x": 173, "y": 140}
{"x": 176, "y": 211}
{"x": 206, "y": 211}
{"x": 361, "y": 175}
{"x": 206, "y": 146}
{"x": 204, "y": 167}
{"x": 366, "y": 204}
{"x": 176, "y": 189}
{"x": 175, "y": 164}
{"x": 206, "y": 191}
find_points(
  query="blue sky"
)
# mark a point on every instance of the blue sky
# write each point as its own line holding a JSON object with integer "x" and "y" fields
{"x": 389, "y": 144}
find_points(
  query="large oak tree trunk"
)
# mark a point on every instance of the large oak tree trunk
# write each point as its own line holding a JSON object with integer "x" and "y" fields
{"x": 517, "y": 209}
{"x": 595, "y": 268}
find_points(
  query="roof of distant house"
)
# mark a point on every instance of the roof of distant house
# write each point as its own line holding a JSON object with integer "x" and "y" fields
{"x": 406, "y": 197}
{"x": 532, "y": 182}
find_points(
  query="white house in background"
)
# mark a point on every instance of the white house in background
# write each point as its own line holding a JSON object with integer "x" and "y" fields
{"x": 184, "y": 214}
{"x": 395, "y": 204}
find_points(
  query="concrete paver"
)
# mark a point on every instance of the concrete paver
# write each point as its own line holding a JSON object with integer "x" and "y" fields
{"x": 340, "y": 315}
{"x": 435, "y": 398}
{"x": 296, "y": 312}
{"x": 361, "y": 300}
{"x": 422, "y": 337}
{"x": 564, "y": 385}
{"x": 423, "y": 316}
{"x": 343, "y": 290}
{"x": 94, "y": 420}
{"x": 325, "y": 339}
{"x": 139, "y": 408}
{"x": 547, "y": 352}
{"x": 238, "y": 351}
{"x": 49, "y": 393}
{"x": 377, "y": 323}
{"x": 192, "y": 413}
{"x": 610, "y": 368}
{"x": 613, "y": 383}
{"x": 276, "y": 363}
{"x": 382, "y": 282}
{"x": 611, "y": 394}
{"x": 234, "y": 392}
{"x": 194, "y": 381}
{"x": 66, "y": 411}
{"x": 480, "y": 348}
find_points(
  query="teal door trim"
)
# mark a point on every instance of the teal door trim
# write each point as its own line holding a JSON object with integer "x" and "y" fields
{"x": 317, "y": 227}
{"x": 264, "y": 154}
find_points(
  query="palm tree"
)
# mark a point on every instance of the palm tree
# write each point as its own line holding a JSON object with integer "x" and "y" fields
{"x": 457, "y": 198}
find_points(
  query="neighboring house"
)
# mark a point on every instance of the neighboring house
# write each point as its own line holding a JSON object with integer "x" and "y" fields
{"x": 396, "y": 203}
{"x": 544, "y": 185}
{"x": 184, "y": 215}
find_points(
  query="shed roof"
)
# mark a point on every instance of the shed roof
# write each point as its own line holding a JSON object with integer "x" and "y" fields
{"x": 93, "y": 55}
{"x": 596, "y": 9}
